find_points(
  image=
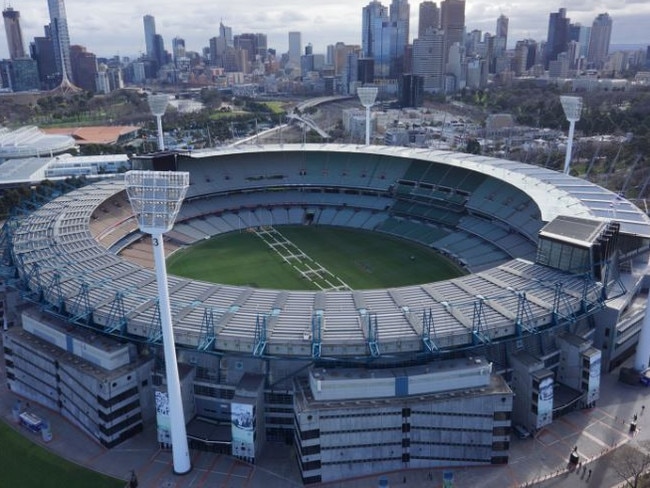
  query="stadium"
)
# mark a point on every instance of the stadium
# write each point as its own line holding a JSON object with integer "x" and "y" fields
{"x": 359, "y": 381}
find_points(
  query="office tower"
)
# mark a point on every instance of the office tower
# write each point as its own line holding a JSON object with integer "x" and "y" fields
{"x": 14, "y": 34}
{"x": 23, "y": 74}
{"x": 60, "y": 39}
{"x": 501, "y": 38}
{"x": 558, "y": 35}
{"x": 261, "y": 46}
{"x": 178, "y": 48}
{"x": 42, "y": 50}
{"x": 160, "y": 55}
{"x": 525, "y": 56}
{"x": 375, "y": 37}
{"x": 429, "y": 17}
{"x": 411, "y": 91}
{"x": 84, "y": 68}
{"x": 150, "y": 35}
{"x": 399, "y": 36}
{"x": 601, "y": 33}
{"x": 253, "y": 44}
{"x": 295, "y": 48}
{"x": 428, "y": 59}
{"x": 225, "y": 32}
{"x": 350, "y": 72}
{"x": 452, "y": 22}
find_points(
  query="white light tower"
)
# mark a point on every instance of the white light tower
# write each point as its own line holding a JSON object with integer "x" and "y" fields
{"x": 642, "y": 358}
{"x": 156, "y": 198}
{"x": 572, "y": 108}
{"x": 158, "y": 105}
{"x": 367, "y": 96}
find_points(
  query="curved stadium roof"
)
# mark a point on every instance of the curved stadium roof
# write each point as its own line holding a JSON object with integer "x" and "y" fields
{"x": 30, "y": 141}
{"x": 59, "y": 258}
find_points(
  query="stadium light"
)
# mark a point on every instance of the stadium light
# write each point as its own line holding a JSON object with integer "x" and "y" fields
{"x": 572, "y": 107}
{"x": 158, "y": 105}
{"x": 155, "y": 198}
{"x": 642, "y": 358}
{"x": 367, "y": 97}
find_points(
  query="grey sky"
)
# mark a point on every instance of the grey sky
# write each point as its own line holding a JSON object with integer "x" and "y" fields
{"x": 115, "y": 27}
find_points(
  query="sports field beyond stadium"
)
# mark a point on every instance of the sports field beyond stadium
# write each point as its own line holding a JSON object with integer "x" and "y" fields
{"x": 360, "y": 259}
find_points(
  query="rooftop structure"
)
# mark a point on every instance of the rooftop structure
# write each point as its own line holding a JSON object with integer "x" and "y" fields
{"x": 30, "y": 141}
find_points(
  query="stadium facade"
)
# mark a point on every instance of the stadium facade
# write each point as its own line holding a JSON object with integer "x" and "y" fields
{"x": 360, "y": 381}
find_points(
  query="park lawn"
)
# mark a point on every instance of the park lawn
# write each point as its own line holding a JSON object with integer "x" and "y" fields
{"x": 362, "y": 259}
{"x": 25, "y": 464}
{"x": 276, "y": 107}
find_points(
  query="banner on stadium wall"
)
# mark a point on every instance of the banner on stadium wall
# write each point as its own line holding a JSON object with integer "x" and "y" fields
{"x": 593, "y": 388}
{"x": 163, "y": 423}
{"x": 545, "y": 402}
{"x": 243, "y": 430}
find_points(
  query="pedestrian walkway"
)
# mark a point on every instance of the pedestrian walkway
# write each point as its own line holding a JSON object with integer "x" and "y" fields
{"x": 540, "y": 461}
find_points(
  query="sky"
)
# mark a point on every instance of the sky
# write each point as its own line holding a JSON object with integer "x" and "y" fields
{"x": 111, "y": 27}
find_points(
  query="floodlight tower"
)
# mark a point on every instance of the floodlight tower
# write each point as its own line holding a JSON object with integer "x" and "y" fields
{"x": 572, "y": 108}
{"x": 367, "y": 96}
{"x": 642, "y": 358}
{"x": 156, "y": 198}
{"x": 158, "y": 105}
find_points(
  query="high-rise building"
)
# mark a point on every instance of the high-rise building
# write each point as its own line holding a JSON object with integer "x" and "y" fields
{"x": 501, "y": 38}
{"x": 14, "y": 33}
{"x": 84, "y": 68}
{"x": 225, "y": 32}
{"x": 429, "y": 17}
{"x": 428, "y": 59}
{"x": 375, "y": 38}
{"x": 295, "y": 48}
{"x": 60, "y": 39}
{"x": 385, "y": 35}
{"x": 452, "y": 22}
{"x": 399, "y": 36}
{"x": 601, "y": 33}
{"x": 150, "y": 35}
{"x": 178, "y": 49}
{"x": 558, "y": 35}
{"x": 42, "y": 50}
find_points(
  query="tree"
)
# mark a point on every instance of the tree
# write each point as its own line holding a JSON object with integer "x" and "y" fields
{"x": 631, "y": 464}
{"x": 473, "y": 147}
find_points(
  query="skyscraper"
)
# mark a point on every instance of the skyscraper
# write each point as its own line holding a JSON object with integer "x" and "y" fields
{"x": 375, "y": 38}
{"x": 452, "y": 21}
{"x": 60, "y": 38}
{"x": 502, "y": 32}
{"x": 601, "y": 33}
{"x": 399, "y": 36}
{"x": 429, "y": 17}
{"x": 14, "y": 33}
{"x": 150, "y": 35}
{"x": 428, "y": 59}
{"x": 558, "y": 35}
{"x": 295, "y": 48}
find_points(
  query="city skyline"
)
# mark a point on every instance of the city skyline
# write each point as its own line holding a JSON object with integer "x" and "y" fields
{"x": 116, "y": 28}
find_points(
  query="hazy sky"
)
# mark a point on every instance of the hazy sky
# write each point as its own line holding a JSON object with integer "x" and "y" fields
{"x": 115, "y": 26}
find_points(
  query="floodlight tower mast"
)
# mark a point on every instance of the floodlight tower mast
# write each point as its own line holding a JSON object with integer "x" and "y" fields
{"x": 156, "y": 198}
{"x": 367, "y": 96}
{"x": 642, "y": 358}
{"x": 158, "y": 105}
{"x": 572, "y": 107}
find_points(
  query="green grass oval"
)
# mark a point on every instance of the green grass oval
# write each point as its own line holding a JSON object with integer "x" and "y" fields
{"x": 361, "y": 259}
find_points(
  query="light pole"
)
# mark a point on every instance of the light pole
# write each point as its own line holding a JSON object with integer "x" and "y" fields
{"x": 572, "y": 107}
{"x": 158, "y": 105}
{"x": 367, "y": 96}
{"x": 156, "y": 198}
